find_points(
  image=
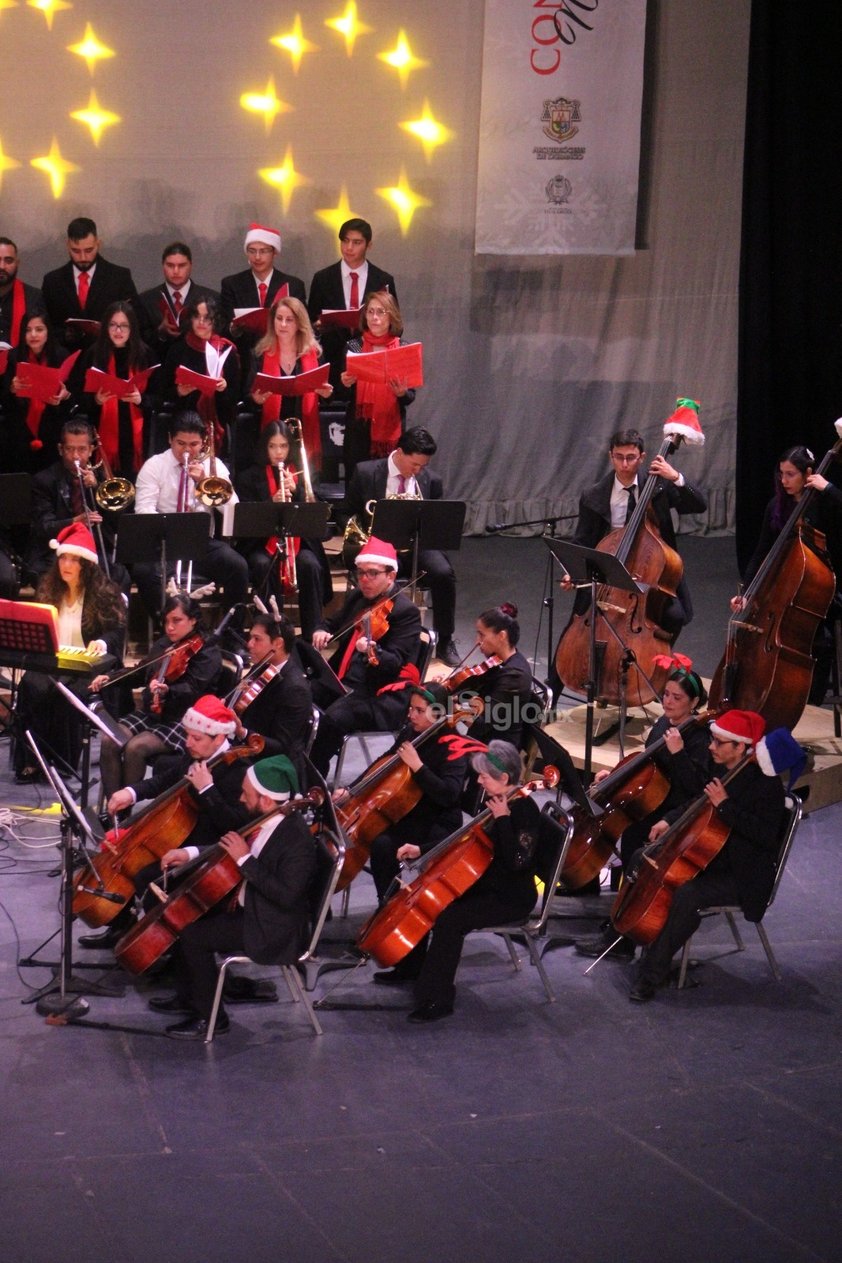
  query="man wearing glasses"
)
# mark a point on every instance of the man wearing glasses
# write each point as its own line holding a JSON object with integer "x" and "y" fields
{"x": 259, "y": 284}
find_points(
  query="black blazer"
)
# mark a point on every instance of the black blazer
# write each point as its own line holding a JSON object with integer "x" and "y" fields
{"x": 369, "y": 482}
{"x": 328, "y": 294}
{"x": 282, "y": 712}
{"x": 150, "y": 316}
{"x": 52, "y": 512}
{"x": 33, "y": 305}
{"x": 398, "y": 646}
{"x": 277, "y": 900}
{"x": 110, "y": 284}
{"x": 595, "y": 509}
{"x": 240, "y": 290}
{"x": 219, "y": 808}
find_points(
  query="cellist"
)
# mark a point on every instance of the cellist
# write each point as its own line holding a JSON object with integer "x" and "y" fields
{"x": 743, "y": 869}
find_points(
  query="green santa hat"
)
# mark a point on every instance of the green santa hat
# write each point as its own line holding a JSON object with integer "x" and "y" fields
{"x": 275, "y": 778}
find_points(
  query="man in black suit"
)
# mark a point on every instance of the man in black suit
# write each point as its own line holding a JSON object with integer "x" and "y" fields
{"x": 269, "y": 923}
{"x": 159, "y": 309}
{"x": 345, "y": 285}
{"x": 16, "y": 297}
{"x": 259, "y": 284}
{"x": 404, "y": 473}
{"x": 282, "y": 709}
{"x": 85, "y": 286}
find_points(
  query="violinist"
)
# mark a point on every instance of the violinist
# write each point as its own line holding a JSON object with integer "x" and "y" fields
{"x": 743, "y": 870}
{"x": 684, "y": 760}
{"x": 439, "y": 769}
{"x": 274, "y": 701}
{"x": 505, "y": 892}
{"x": 368, "y": 658}
{"x": 172, "y": 685}
{"x": 269, "y": 920}
{"x": 273, "y": 477}
{"x": 793, "y": 477}
{"x": 501, "y": 694}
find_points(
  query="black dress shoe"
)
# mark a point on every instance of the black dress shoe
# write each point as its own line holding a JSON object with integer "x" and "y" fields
{"x": 393, "y": 978}
{"x": 596, "y": 944}
{"x": 197, "y": 1027}
{"x": 29, "y": 775}
{"x": 170, "y": 1004}
{"x": 448, "y": 653}
{"x": 642, "y": 991}
{"x": 431, "y": 1012}
{"x": 105, "y": 941}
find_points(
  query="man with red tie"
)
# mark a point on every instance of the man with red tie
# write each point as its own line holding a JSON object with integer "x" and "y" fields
{"x": 85, "y": 286}
{"x": 159, "y": 309}
{"x": 259, "y": 284}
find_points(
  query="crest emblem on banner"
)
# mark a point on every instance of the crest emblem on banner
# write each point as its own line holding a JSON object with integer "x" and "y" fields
{"x": 560, "y": 117}
{"x": 558, "y": 190}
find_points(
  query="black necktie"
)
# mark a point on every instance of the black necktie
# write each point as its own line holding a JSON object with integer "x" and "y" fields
{"x": 632, "y": 493}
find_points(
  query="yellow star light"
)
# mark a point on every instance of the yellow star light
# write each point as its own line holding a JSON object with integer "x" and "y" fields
{"x": 403, "y": 201}
{"x": 294, "y": 43}
{"x": 56, "y": 167}
{"x": 92, "y": 49}
{"x": 402, "y": 59}
{"x": 49, "y": 8}
{"x": 349, "y": 26}
{"x": 285, "y": 178}
{"x": 428, "y": 130}
{"x": 266, "y": 103}
{"x": 334, "y": 217}
{"x": 95, "y": 117}
{"x": 6, "y": 163}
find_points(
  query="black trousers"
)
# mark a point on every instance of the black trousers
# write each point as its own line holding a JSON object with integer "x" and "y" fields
{"x": 440, "y": 581}
{"x": 194, "y": 957}
{"x": 355, "y": 713}
{"x": 223, "y": 565}
{"x": 710, "y": 889}
{"x": 264, "y": 572}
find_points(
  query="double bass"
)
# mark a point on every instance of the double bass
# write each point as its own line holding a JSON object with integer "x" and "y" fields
{"x": 636, "y": 618}
{"x": 444, "y": 873}
{"x": 768, "y": 665}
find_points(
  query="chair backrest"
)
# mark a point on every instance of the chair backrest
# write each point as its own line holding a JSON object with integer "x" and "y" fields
{"x": 230, "y": 674}
{"x": 312, "y": 730}
{"x": 554, "y": 834}
{"x": 330, "y": 853}
{"x": 791, "y": 821}
{"x": 426, "y": 648}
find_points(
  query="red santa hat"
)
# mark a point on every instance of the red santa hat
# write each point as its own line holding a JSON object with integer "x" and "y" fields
{"x": 739, "y": 725}
{"x": 75, "y": 541}
{"x": 266, "y": 236}
{"x": 685, "y": 421}
{"x": 210, "y": 716}
{"x": 377, "y": 552}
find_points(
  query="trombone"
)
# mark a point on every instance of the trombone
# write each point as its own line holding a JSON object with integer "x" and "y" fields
{"x": 295, "y": 428}
{"x": 94, "y": 527}
{"x": 213, "y": 491}
{"x": 113, "y": 494}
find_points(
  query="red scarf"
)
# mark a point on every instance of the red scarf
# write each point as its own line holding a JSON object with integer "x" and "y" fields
{"x": 377, "y": 402}
{"x": 18, "y": 310}
{"x": 206, "y": 405}
{"x": 35, "y": 411}
{"x": 310, "y": 429}
{"x": 293, "y": 542}
{"x": 109, "y": 428}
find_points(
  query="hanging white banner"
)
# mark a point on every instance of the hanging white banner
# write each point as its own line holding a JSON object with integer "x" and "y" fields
{"x": 559, "y": 141}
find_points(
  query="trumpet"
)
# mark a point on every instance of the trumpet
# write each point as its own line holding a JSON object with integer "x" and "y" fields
{"x": 113, "y": 494}
{"x": 213, "y": 491}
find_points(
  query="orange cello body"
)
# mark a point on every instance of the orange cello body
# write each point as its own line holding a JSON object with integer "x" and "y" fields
{"x": 637, "y": 618}
{"x": 161, "y": 827}
{"x": 451, "y": 868}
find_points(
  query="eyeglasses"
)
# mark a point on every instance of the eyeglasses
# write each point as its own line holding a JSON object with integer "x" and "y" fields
{"x": 369, "y": 574}
{"x": 118, "y": 327}
{"x": 626, "y": 460}
{"x": 259, "y": 250}
{"x": 376, "y": 311}
{"x": 722, "y": 741}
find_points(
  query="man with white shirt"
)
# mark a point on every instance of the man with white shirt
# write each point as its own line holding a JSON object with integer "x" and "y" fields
{"x": 85, "y": 286}
{"x": 259, "y": 284}
{"x": 159, "y": 309}
{"x": 166, "y": 483}
{"x": 405, "y": 473}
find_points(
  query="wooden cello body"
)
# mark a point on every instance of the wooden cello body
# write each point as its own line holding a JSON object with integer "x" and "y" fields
{"x": 637, "y": 618}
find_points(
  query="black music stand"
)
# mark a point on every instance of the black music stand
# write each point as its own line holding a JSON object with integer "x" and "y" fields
{"x": 420, "y": 525}
{"x": 140, "y": 536}
{"x": 15, "y": 499}
{"x": 282, "y": 521}
{"x": 93, "y": 718}
{"x": 52, "y": 999}
{"x": 588, "y": 568}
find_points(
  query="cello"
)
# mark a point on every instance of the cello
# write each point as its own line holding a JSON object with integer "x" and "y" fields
{"x": 211, "y": 877}
{"x": 636, "y": 618}
{"x": 444, "y": 873}
{"x": 768, "y": 665}
{"x": 160, "y": 827}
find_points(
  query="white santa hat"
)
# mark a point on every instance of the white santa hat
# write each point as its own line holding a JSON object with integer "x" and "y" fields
{"x": 75, "y": 541}
{"x": 266, "y": 236}
{"x": 208, "y": 715}
{"x": 745, "y": 726}
{"x": 377, "y": 552}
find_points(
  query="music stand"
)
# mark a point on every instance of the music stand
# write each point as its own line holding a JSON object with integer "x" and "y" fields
{"x": 420, "y": 525}
{"x": 15, "y": 499}
{"x": 52, "y": 998}
{"x": 141, "y": 535}
{"x": 282, "y": 521}
{"x": 107, "y": 726}
{"x": 588, "y": 567}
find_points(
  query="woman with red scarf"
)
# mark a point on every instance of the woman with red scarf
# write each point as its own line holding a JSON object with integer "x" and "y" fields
{"x": 118, "y": 420}
{"x": 376, "y": 412}
{"x": 287, "y": 349}
{"x": 31, "y": 427}
{"x": 202, "y": 350}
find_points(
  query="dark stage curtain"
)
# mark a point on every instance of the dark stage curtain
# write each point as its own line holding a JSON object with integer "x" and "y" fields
{"x": 790, "y": 359}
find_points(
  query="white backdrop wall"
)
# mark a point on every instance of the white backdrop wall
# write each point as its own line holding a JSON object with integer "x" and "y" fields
{"x": 531, "y": 362}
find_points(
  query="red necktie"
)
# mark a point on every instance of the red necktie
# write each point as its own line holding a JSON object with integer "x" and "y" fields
{"x": 176, "y": 302}
{"x": 401, "y": 485}
{"x": 355, "y": 290}
{"x": 262, "y": 291}
{"x": 84, "y": 286}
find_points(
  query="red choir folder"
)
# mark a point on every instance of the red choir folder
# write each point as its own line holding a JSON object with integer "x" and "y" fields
{"x": 401, "y": 363}
{"x": 96, "y": 380}
{"x": 37, "y": 381}
{"x": 340, "y": 318}
{"x": 295, "y": 386}
{"x": 167, "y": 318}
{"x": 76, "y": 324}
{"x": 255, "y": 320}
{"x": 196, "y": 381}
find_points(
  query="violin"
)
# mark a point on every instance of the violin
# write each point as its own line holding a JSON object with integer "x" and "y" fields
{"x": 174, "y": 667}
{"x": 373, "y": 625}
{"x": 461, "y": 675}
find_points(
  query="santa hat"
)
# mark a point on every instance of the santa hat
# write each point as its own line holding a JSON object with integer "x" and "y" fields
{"x": 76, "y": 541}
{"x": 210, "y": 716}
{"x": 378, "y": 553}
{"x": 685, "y": 421}
{"x": 779, "y": 752}
{"x": 266, "y": 236}
{"x": 274, "y": 778}
{"x": 739, "y": 725}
